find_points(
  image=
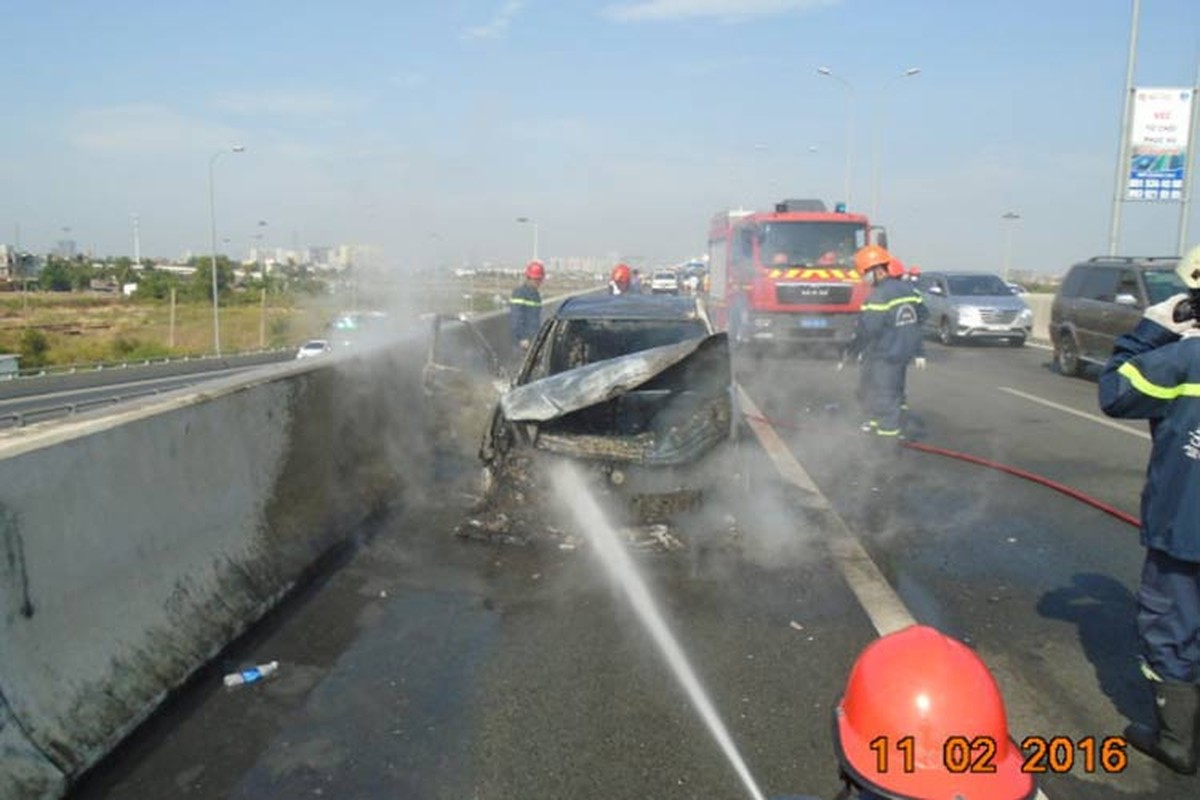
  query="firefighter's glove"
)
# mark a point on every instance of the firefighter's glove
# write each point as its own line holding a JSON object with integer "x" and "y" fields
{"x": 524, "y": 344}
{"x": 919, "y": 362}
{"x": 1164, "y": 314}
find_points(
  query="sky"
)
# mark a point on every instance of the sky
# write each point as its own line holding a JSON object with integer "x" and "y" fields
{"x": 427, "y": 127}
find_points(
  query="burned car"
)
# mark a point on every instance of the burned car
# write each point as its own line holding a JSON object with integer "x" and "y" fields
{"x": 636, "y": 389}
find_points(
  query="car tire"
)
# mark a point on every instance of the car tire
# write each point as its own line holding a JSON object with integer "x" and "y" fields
{"x": 946, "y": 333}
{"x": 1066, "y": 356}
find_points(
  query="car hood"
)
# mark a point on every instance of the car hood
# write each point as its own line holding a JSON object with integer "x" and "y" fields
{"x": 566, "y": 392}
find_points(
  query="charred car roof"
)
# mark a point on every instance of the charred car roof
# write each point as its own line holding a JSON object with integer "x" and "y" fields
{"x": 627, "y": 306}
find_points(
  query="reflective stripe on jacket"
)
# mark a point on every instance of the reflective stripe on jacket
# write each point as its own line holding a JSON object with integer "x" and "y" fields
{"x": 889, "y": 324}
{"x": 524, "y": 312}
{"x": 1153, "y": 374}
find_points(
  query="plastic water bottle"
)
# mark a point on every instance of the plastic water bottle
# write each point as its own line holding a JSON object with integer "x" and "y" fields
{"x": 252, "y": 675}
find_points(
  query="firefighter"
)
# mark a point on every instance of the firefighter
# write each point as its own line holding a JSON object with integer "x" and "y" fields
{"x": 1153, "y": 374}
{"x": 621, "y": 279}
{"x": 913, "y": 703}
{"x": 914, "y": 274}
{"x": 525, "y": 308}
{"x": 888, "y": 336}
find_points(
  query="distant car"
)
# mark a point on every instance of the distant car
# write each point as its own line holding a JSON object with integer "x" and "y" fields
{"x": 313, "y": 348}
{"x": 664, "y": 281}
{"x": 1016, "y": 288}
{"x": 635, "y": 389}
{"x": 1102, "y": 298}
{"x": 974, "y": 305}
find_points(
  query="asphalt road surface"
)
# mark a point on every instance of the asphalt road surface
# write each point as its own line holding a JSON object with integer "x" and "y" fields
{"x": 423, "y": 666}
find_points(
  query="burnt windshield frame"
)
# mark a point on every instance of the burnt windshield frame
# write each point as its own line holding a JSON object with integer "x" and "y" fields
{"x": 579, "y": 342}
{"x": 807, "y": 242}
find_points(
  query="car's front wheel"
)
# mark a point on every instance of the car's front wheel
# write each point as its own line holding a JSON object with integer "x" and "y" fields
{"x": 946, "y": 332}
{"x": 1066, "y": 356}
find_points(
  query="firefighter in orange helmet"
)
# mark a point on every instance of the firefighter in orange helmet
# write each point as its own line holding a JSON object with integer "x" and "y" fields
{"x": 920, "y": 716}
{"x": 621, "y": 277}
{"x": 888, "y": 336}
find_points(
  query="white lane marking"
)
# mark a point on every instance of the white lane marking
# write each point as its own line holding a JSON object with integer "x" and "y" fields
{"x": 877, "y": 597}
{"x": 884, "y": 607}
{"x": 1117, "y": 426}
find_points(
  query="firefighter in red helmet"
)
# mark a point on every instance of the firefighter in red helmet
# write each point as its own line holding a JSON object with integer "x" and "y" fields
{"x": 525, "y": 308}
{"x": 917, "y": 706}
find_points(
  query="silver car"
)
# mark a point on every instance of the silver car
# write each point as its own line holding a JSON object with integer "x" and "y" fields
{"x": 974, "y": 305}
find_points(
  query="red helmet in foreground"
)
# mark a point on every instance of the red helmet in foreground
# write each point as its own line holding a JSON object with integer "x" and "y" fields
{"x": 535, "y": 270}
{"x": 621, "y": 274}
{"x": 934, "y": 703}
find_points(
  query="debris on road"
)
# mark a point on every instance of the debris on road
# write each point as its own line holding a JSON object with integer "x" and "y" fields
{"x": 251, "y": 675}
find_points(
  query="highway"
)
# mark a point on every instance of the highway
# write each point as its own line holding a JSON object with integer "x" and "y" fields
{"x": 419, "y": 665}
{"x": 27, "y": 400}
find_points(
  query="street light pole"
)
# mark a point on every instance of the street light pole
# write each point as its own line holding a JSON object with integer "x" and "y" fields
{"x": 1011, "y": 217}
{"x": 850, "y": 106}
{"x": 535, "y": 234}
{"x": 908, "y": 73}
{"x": 137, "y": 243}
{"x": 212, "y": 218}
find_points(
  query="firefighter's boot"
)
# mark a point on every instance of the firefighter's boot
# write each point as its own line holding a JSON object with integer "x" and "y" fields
{"x": 1174, "y": 741}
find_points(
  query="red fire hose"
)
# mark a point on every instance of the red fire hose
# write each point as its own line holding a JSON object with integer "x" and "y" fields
{"x": 1075, "y": 494}
{"x": 1029, "y": 476}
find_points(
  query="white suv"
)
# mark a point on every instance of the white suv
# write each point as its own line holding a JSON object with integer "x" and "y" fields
{"x": 664, "y": 282}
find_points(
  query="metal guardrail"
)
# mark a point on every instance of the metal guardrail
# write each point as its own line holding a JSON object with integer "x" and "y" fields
{"x": 19, "y": 419}
{"x": 99, "y": 366}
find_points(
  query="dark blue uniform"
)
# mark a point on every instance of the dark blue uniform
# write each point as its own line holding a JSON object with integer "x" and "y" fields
{"x": 524, "y": 313}
{"x": 888, "y": 336}
{"x": 1153, "y": 374}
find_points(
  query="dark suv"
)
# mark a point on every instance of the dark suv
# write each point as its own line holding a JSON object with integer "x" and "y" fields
{"x": 1102, "y": 298}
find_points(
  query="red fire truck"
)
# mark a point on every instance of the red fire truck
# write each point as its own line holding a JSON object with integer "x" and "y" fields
{"x": 787, "y": 276}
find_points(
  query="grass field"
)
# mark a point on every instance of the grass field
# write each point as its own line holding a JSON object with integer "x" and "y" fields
{"x": 77, "y": 328}
{"x": 56, "y": 328}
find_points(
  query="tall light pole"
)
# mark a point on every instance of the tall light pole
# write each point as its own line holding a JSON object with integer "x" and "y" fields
{"x": 137, "y": 243}
{"x": 850, "y": 109}
{"x": 1011, "y": 218}
{"x": 908, "y": 73}
{"x": 535, "y": 234}
{"x": 212, "y": 218}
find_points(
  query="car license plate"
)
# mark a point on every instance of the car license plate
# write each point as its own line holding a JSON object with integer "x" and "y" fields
{"x": 813, "y": 322}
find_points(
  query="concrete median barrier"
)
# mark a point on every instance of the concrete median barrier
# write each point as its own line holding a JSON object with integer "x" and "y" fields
{"x": 137, "y": 545}
{"x": 134, "y": 546}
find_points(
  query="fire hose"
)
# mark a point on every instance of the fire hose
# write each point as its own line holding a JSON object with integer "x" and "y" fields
{"x": 1074, "y": 494}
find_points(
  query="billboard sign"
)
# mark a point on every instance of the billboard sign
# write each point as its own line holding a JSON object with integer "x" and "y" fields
{"x": 1158, "y": 143}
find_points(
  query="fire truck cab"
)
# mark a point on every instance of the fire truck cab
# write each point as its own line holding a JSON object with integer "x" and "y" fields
{"x": 787, "y": 276}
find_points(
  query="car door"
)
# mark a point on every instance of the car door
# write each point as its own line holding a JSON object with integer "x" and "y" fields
{"x": 933, "y": 290}
{"x": 462, "y": 381}
{"x": 1097, "y": 297}
{"x": 1122, "y": 316}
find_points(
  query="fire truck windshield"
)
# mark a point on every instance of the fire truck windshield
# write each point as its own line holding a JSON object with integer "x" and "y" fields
{"x": 809, "y": 243}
